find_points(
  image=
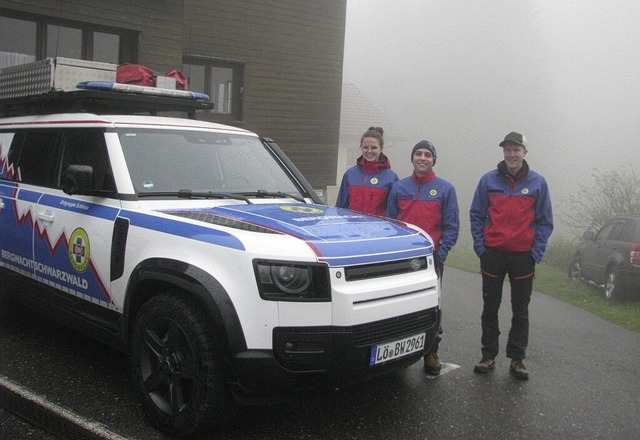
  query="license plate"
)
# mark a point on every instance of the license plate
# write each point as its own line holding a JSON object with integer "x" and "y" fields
{"x": 396, "y": 349}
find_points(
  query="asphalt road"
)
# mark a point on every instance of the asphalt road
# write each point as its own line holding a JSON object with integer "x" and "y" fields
{"x": 12, "y": 427}
{"x": 584, "y": 383}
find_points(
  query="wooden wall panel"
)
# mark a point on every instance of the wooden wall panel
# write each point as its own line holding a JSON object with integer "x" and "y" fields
{"x": 159, "y": 23}
{"x": 292, "y": 51}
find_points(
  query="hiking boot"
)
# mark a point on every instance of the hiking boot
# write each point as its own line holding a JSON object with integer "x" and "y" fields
{"x": 432, "y": 364}
{"x": 518, "y": 370}
{"x": 484, "y": 366}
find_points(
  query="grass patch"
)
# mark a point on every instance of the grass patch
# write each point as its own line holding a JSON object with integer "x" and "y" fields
{"x": 553, "y": 280}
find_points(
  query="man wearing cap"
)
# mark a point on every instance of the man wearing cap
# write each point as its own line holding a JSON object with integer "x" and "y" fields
{"x": 511, "y": 221}
{"x": 430, "y": 203}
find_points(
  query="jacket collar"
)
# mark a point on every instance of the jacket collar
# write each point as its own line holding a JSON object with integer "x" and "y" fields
{"x": 368, "y": 167}
{"x": 522, "y": 172}
{"x": 424, "y": 179}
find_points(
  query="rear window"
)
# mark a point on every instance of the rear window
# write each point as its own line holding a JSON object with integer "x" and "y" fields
{"x": 32, "y": 157}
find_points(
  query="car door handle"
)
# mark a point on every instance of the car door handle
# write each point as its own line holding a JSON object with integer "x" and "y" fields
{"x": 46, "y": 216}
{"x": 1, "y": 205}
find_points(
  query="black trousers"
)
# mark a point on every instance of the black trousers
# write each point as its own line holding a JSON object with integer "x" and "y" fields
{"x": 436, "y": 342}
{"x": 495, "y": 265}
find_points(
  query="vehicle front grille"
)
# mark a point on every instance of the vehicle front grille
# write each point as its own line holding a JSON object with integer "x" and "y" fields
{"x": 394, "y": 328}
{"x": 377, "y": 270}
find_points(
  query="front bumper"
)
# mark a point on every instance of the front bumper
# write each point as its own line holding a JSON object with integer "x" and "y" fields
{"x": 305, "y": 358}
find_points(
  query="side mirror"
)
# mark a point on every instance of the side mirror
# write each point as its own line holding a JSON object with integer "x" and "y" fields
{"x": 77, "y": 179}
{"x": 588, "y": 235}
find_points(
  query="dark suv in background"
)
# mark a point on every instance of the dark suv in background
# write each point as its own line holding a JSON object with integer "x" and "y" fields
{"x": 610, "y": 259}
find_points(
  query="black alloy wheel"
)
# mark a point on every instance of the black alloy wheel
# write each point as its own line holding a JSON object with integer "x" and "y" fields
{"x": 176, "y": 366}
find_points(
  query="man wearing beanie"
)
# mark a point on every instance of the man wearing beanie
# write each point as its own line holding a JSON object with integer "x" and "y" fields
{"x": 430, "y": 203}
{"x": 511, "y": 221}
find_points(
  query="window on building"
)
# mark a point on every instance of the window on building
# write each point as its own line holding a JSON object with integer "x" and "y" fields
{"x": 17, "y": 41}
{"x": 64, "y": 41}
{"x": 25, "y": 38}
{"x": 106, "y": 47}
{"x": 222, "y": 81}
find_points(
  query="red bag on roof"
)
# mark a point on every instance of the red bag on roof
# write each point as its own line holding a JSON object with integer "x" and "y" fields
{"x": 135, "y": 74}
{"x": 181, "y": 80}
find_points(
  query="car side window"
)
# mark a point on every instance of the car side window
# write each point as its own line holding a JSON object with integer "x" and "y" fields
{"x": 629, "y": 232}
{"x": 87, "y": 147}
{"x": 604, "y": 233}
{"x": 33, "y": 155}
{"x": 616, "y": 232}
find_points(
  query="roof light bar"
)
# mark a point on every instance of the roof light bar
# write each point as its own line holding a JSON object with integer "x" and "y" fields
{"x": 144, "y": 90}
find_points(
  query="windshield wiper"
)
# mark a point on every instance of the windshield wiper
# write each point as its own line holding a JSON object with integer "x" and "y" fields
{"x": 261, "y": 193}
{"x": 189, "y": 194}
{"x": 245, "y": 196}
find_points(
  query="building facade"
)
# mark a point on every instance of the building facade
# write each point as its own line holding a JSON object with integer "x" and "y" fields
{"x": 270, "y": 66}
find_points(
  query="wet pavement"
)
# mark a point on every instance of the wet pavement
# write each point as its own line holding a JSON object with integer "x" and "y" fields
{"x": 583, "y": 383}
{"x": 12, "y": 427}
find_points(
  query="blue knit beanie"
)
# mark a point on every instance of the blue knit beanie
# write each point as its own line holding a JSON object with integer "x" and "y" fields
{"x": 425, "y": 144}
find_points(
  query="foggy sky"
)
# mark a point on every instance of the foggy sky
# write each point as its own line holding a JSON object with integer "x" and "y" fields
{"x": 463, "y": 74}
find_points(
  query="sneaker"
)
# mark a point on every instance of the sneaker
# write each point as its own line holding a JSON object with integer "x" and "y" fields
{"x": 484, "y": 366}
{"x": 432, "y": 364}
{"x": 518, "y": 370}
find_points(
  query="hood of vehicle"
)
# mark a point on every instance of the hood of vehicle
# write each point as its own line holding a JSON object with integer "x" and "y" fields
{"x": 337, "y": 236}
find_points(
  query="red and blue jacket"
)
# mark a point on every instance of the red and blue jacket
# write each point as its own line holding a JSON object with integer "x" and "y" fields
{"x": 366, "y": 185}
{"x": 430, "y": 203}
{"x": 510, "y": 213}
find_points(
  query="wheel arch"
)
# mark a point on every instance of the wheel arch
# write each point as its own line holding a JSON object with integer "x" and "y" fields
{"x": 616, "y": 259}
{"x": 158, "y": 275}
{"x": 614, "y": 262}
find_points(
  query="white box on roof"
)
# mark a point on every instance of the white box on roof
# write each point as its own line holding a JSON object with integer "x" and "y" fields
{"x": 69, "y": 72}
{"x": 165, "y": 82}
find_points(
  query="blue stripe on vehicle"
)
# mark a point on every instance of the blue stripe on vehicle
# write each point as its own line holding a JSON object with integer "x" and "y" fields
{"x": 80, "y": 207}
{"x": 29, "y": 196}
{"x": 183, "y": 229}
{"x": 69, "y": 204}
{"x": 354, "y": 260}
{"x": 371, "y": 251}
{"x": 7, "y": 190}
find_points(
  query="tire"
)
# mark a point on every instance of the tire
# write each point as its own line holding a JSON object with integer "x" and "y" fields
{"x": 575, "y": 270}
{"x": 612, "y": 285}
{"x": 176, "y": 366}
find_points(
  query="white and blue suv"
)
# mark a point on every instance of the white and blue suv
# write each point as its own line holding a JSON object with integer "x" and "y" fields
{"x": 203, "y": 252}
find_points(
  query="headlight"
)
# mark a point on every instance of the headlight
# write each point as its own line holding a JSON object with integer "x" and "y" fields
{"x": 291, "y": 279}
{"x": 283, "y": 281}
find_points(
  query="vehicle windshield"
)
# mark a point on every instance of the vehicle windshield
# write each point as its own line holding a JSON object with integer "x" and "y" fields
{"x": 169, "y": 162}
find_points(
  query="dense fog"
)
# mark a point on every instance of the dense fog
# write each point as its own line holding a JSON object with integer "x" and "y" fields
{"x": 463, "y": 74}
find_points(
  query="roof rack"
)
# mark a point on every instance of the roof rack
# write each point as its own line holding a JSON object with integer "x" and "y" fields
{"x": 100, "y": 102}
{"x": 55, "y": 86}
